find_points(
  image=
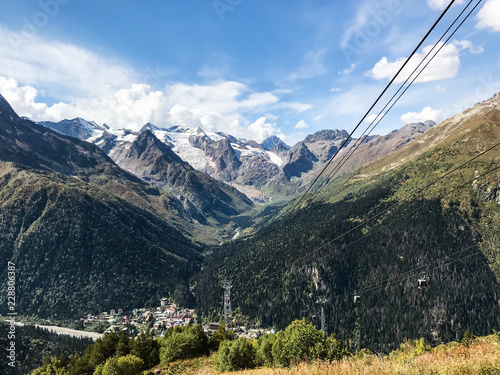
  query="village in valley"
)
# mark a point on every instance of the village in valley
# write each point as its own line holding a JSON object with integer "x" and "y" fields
{"x": 156, "y": 320}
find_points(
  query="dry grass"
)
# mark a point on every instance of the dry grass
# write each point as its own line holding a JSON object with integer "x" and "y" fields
{"x": 482, "y": 357}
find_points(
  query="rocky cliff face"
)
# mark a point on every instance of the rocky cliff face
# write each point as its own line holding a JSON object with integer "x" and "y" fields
{"x": 273, "y": 142}
{"x": 325, "y": 143}
{"x": 221, "y": 153}
{"x": 375, "y": 147}
{"x": 299, "y": 160}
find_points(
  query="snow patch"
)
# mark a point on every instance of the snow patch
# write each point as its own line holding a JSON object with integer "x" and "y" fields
{"x": 275, "y": 159}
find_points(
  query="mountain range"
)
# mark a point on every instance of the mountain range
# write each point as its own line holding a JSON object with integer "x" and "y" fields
{"x": 257, "y": 170}
{"x": 97, "y": 218}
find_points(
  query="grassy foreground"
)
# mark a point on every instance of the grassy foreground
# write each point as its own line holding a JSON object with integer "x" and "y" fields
{"x": 480, "y": 356}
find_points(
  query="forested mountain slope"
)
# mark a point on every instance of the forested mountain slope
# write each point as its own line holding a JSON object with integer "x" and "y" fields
{"x": 78, "y": 249}
{"x": 449, "y": 231}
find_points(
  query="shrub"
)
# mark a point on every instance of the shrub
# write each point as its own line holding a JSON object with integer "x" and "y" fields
{"x": 219, "y": 336}
{"x": 188, "y": 342}
{"x": 236, "y": 355}
{"x": 300, "y": 340}
{"x": 51, "y": 366}
{"x": 264, "y": 355}
{"x": 145, "y": 346}
{"x": 126, "y": 365}
{"x": 468, "y": 338}
{"x": 336, "y": 349}
{"x": 410, "y": 349}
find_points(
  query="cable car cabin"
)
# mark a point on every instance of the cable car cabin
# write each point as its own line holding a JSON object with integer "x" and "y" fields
{"x": 422, "y": 284}
{"x": 357, "y": 299}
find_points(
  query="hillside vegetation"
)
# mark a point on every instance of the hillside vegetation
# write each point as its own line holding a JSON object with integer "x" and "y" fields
{"x": 480, "y": 357}
{"x": 300, "y": 349}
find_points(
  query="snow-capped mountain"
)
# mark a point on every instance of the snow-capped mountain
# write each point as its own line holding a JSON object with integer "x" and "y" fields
{"x": 243, "y": 164}
{"x": 77, "y": 128}
{"x": 201, "y": 196}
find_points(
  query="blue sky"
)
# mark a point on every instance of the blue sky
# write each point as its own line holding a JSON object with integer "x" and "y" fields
{"x": 251, "y": 68}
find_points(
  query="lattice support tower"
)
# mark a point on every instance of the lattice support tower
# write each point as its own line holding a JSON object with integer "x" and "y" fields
{"x": 322, "y": 301}
{"x": 228, "y": 315}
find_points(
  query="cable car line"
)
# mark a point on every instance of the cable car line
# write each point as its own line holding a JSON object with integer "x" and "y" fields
{"x": 381, "y": 115}
{"x": 404, "y": 199}
{"x": 375, "y": 122}
{"x": 414, "y": 270}
{"x": 366, "y": 114}
{"x": 422, "y": 282}
{"x": 400, "y": 278}
{"x": 418, "y": 191}
{"x": 378, "y": 228}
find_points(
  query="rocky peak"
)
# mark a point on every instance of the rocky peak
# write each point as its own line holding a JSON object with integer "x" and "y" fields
{"x": 228, "y": 136}
{"x": 76, "y": 128}
{"x": 149, "y": 126}
{"x": 147, "y": 144}
{"x": 429, "y": 123}
{"x": 273, "y": 141}
{"x": 6, "y": 109}
{"x": 300, "y": 160}
{"x": 326, "y": 135}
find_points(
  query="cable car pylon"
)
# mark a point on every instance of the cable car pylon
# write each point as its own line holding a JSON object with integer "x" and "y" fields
{"x": 322, "y": 301}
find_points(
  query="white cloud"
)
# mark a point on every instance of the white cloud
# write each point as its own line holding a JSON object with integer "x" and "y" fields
{"x": 60, "y": 68}
{"x": 426, "y": 114}
{"x": 440, "y": 89}
{"x": 444, "y": 66}
{"x": 488, "y": 16}
{"x": 22, "y": 99}
{"x": 353, "y": 101}
{"x": 220, "y": 107}
{"x": 301, "y": 125}
{"x": 228, "y": 98}
{"x": 124, "y": 108}
{"x": 134, "y": 106}
{"x": 362, "y": 17}
{"x": 262, "y": 130}
{"x": 373, "y": 117}
{"x": 466, "y": 44}
{"x": 335, "y": 89}
{"x": 372, "y": 21}
{"x": 441, "y": 4}
{"x": 220, "y": 97}
{"x": 85, "y": 84}
{"x": 294, "y": 107}
{"x": 349, "y": 70}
